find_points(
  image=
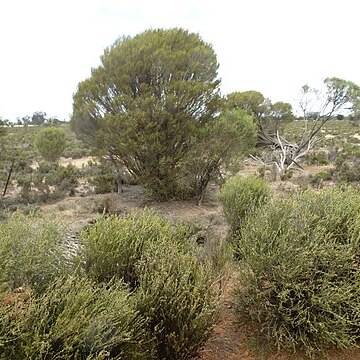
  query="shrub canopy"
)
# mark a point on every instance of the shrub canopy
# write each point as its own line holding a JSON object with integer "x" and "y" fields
{"x": 148, "y": 104}
{"x": 240, "y": 196}
{"x": 51, "y": 143}
{"x": 301, "y": 270}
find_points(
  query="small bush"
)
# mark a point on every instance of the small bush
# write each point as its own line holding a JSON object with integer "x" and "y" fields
{"x": 51, "y": 143}
{"x": 318, "y": 179}
{"x": 348, "y": 164}
{"x": 74, "y": 319}
{"x": 240, "y": 196}
{"x": 177, "y": 296}
{"x": 317, "y": 158}
{"x": 31, "y": 252}
{"x": 300, "y": 279}
{"x": 53, "y": 178}
{"x": 104, "y": 178}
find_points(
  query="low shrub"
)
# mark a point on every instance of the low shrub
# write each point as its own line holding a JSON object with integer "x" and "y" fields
{"x": 104, "y": 178}
{"x": 74, "y": 319}
{"x": 113, "y": 246}
{"x": 348, "y": 164}
{"x": 317, "y": 158}
{"x": 173, "y": 289}
{"x": 52, "y": 178}
{"x": 318, "y": 179}
{"x": 300, "y": 278}
{"x": 177, "y": 296}
{"x": 240, "y": 196}
{"x": 31, "y": 252}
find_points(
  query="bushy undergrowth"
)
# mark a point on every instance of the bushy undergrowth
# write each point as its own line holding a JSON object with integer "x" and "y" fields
{"x": 317, "y": 180}
{"x": 138, "y": 290}
{"x": 103, "y": 177}
{"x": 317, "y": 158}
{"x": 177, "y": 296}
{"x": 174, "y": 290}
{"x": 50, "y": 181}
{"x": 74, "y": 319}
{"x": 348, "y": 164}
{"x": 242, "y": 195}
{"x": 300, "y": 278}
{"x": 113, "y": 246}
{"x": 31, "y": 252}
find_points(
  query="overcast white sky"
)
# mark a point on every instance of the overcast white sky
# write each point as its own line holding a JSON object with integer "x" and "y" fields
{"x": 273, "y": 46}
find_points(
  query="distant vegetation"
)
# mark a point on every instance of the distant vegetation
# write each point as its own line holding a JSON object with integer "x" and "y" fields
{"x": 139, "y": 285}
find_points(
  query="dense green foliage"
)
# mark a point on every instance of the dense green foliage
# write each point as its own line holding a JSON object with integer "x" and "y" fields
{"x": 113, "y": 247}
{"x": 300, "y": 278}
{"x": 31, "y": 252}
{"x": 104, "y": 180}
{"x": 173, "y": 290}
{"x": 176, "y": 294}
{"x": 136, "y": 290}
{"x": 51, "y": 143}
{"x": 152, "y": 105}
{"x": 240, "y": 196}
{"x": 223, "y": 143}
{"x": 269, "y": 117}
{"x": 74, "y": 319}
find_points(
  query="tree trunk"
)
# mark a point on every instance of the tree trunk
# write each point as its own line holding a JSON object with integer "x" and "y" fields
{"x": 119, "y": 178}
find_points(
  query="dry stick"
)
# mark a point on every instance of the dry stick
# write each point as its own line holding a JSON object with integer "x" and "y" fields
{"x": 8, "y": 177}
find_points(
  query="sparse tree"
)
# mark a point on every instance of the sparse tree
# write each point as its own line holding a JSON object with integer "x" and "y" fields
{"x": 26, "y": 120}
{"x": 267, "y": 116}
{"x": 38, "y": 118}
{"x": 317, "y": 108}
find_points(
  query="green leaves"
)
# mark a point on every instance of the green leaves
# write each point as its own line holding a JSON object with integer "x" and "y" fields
{"x": 51, "y": 143}
{"x": 172, "y": 289}
{"x": 300, "y": 270}
{"x": 240, "y": 196}
{"x": 147, "y": 104}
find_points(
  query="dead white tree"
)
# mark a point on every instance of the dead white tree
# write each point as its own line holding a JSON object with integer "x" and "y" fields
{"x": 338, "y": 96}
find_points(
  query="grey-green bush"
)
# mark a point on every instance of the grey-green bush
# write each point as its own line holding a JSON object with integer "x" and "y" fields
{"x": 300, "y": 278}
{"x": 240, "y": 196}
{"x": 50, "y": 143}
{"x": 74, "y": 319}
{"x": 174, "y": 290}
{"x": 347, "y": 164}
{"x": 113, "y": 246}
{"x": 177, "y": 296}
{"x": 31, "y": 252}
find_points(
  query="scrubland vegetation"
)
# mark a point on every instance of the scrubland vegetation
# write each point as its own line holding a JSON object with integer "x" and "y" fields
{"x": 163, "y": 205}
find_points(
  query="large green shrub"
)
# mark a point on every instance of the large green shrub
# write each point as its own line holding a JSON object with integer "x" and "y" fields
{"x": 300, "y": 278}
{"x": 173, "y": 289}
{"x": 240, "y": 196}
{"x": 31, "y": 252}
{"x": 74, "y": 319}
{"x": 161, "y": 120}
{"x": 50, "y": 143}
